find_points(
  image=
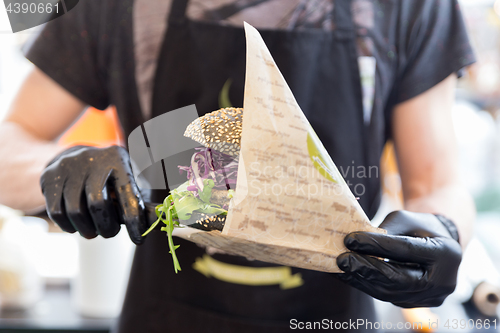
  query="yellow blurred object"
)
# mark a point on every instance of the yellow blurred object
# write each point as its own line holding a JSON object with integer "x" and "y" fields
{"x": 493, "y": 15}
{"x": 9, "y": 282}
{"x": 250, "y": 276}
{"x": 7, "y": 213}
{"x": 428, "y": 319}
{"x": 95, "y": 128}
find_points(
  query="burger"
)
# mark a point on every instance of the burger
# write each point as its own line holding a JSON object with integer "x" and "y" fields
{"x": 203, "y": 200}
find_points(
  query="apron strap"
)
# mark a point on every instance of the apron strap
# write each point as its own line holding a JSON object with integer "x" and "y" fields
{"x": 345, "y": 31}
{"x": 178, "y": 10}
{"x": 344, "y": 25}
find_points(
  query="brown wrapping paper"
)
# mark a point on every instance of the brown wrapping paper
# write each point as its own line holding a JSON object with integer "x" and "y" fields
{"x": 291, "y": 206}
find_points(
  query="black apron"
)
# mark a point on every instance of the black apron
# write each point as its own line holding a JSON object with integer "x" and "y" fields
{"x": 321, "y": 68}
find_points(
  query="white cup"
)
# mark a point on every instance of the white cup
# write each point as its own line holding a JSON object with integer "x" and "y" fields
{"x": 104, "y": 266}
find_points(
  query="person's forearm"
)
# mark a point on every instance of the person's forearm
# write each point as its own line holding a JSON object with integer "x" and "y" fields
{"x": 23, "y": 159}
{"x": 453, "y": 202}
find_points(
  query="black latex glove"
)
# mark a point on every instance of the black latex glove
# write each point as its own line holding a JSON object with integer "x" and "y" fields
{"x": 92, "y": 191}
{"x": 423, "y": 259}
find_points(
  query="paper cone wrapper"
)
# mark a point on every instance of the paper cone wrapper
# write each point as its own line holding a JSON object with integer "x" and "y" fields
{"x": 291, "y": 204}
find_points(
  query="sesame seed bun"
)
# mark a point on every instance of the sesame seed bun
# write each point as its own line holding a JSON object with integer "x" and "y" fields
{"x": 211, "y": 222}
{"x": 219, "y": 130}
{"x": 207, "y": 222}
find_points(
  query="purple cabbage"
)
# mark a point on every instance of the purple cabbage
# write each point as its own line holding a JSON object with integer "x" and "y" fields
{"x": 208, "y": 163}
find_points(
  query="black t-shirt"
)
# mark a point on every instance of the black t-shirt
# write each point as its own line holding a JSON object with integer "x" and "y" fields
{"x": 104, "y": 52}
{"x": 90, "y": 51}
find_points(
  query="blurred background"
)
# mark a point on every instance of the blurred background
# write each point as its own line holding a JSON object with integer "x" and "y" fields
{"x": 52, "y": 281}
{"x": 81, "y": 288}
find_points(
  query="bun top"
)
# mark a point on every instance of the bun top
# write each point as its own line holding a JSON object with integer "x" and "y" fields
{"x": 219, "y": 130}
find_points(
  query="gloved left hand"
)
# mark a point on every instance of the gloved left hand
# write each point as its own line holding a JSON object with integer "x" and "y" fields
{"x": 92, "y": 191}
{"x": 414, "y": 265}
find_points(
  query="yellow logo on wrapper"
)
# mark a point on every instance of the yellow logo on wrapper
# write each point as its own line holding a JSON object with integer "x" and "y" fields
{"x": 250, "y": 276}
{"x": 320, "y": 158}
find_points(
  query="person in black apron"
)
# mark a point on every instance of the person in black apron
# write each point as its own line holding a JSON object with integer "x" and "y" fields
{"x": 196, "y": 60}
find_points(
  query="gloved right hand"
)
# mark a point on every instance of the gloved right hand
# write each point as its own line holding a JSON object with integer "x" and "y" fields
{"x": 92, "y": 191}
{"x": 422, "y": 258}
